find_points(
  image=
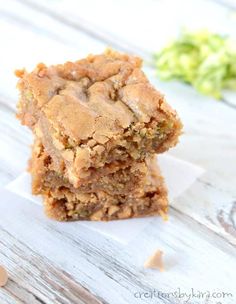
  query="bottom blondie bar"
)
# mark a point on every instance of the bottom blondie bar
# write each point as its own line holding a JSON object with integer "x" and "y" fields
{"x": 135, "y": 191}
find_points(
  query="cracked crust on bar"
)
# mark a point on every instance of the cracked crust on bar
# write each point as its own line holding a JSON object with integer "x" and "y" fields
{"x": 96, "y": 114}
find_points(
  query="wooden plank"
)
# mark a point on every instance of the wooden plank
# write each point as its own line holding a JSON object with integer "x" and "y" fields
{"x": 58, "y": 12}
{"x": 144, "y": 26}
{"x": 34, "y": 279}
{"x": 107, "y": 268}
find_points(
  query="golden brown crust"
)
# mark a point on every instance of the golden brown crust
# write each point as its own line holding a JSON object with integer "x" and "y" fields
{"x": 105, "y": 99}
{"x": 96, "y": 96}
{"x": 97, "y": 124}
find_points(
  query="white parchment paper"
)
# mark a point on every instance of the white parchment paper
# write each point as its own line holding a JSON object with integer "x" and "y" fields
{"x": 179, "y": 176}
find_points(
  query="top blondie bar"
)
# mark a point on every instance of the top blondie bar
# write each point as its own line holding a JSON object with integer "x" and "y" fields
{"x": 96, "y": 114}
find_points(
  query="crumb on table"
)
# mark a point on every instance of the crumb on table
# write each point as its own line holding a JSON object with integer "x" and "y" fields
{"x": 155, "y": 261}
{"x": 3, "y": 276}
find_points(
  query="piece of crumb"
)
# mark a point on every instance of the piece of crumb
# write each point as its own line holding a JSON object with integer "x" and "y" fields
{"x": 155, "y": 261}
{"x": 3, "y": 276}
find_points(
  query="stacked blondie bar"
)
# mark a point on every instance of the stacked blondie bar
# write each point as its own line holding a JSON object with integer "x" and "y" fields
{"x": 98, "y": 124}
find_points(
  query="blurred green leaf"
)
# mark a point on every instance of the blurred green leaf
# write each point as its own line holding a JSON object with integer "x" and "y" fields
{"x": 205, "y": 60}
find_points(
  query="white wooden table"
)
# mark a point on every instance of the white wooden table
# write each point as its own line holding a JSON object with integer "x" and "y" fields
{"x": 49, "y": 264}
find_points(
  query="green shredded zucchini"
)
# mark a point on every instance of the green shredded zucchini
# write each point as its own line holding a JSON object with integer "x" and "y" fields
{"x": 205, "y": 60}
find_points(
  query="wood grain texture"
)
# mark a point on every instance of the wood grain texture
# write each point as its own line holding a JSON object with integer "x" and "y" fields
{"x": 198, "y": 240}
{"x": 48, "y": 284}
{"x": 109, "y": 269}
{"x": 144, "y": 26}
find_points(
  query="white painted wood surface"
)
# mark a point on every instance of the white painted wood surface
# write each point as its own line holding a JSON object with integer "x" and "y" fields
{"x": 50, "y": 262}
